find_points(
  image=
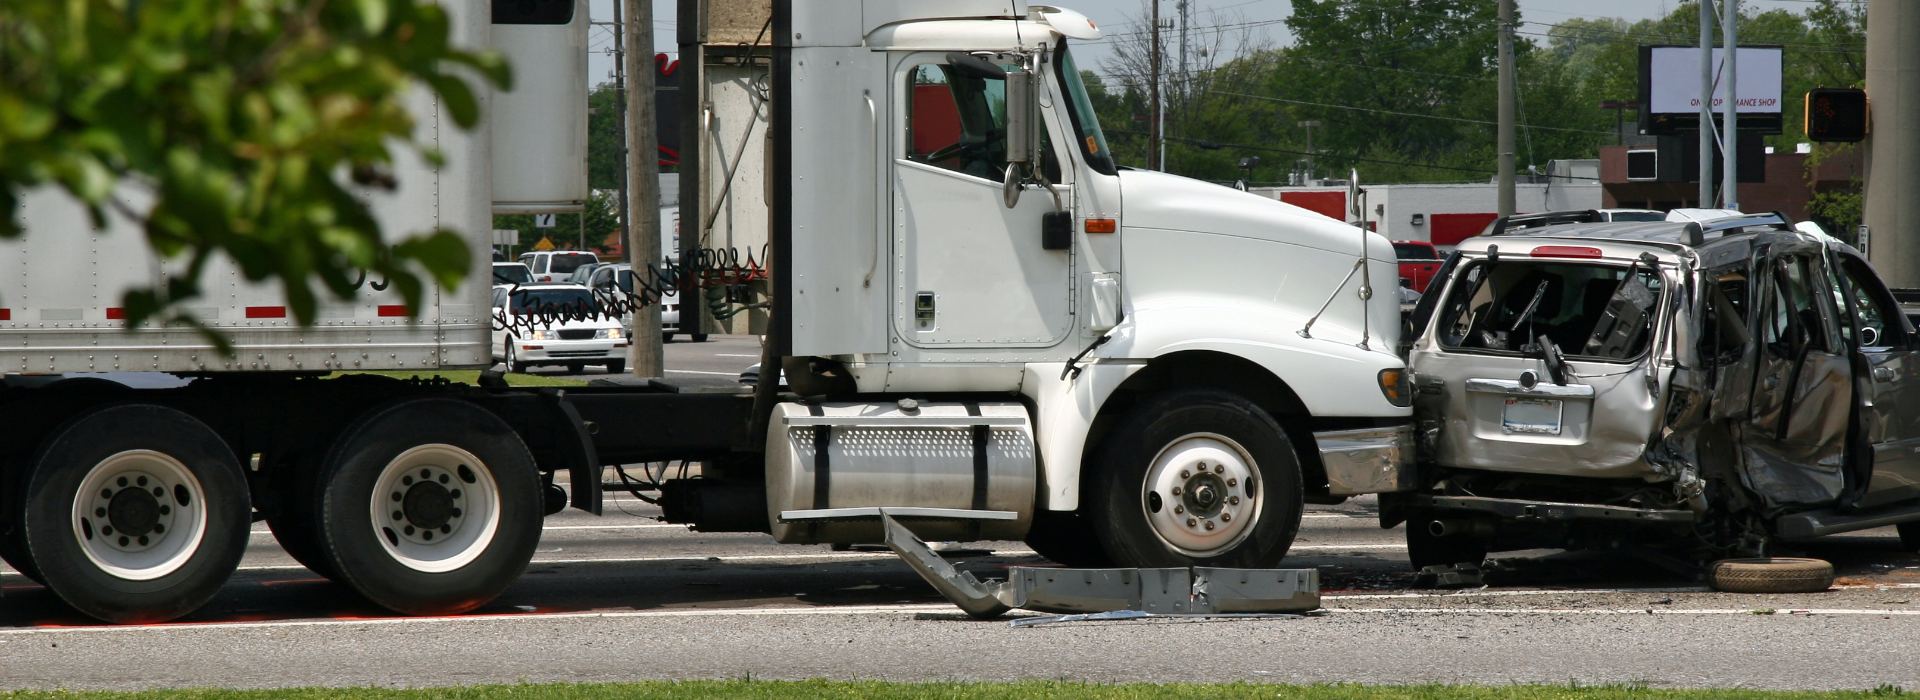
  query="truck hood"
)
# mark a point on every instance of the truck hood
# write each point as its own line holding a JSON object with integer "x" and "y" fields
{"x": 1162, "y": 201}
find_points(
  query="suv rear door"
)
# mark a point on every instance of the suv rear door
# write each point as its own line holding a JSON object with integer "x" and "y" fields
{"x": 1793, "y": 438}
{"x": 1486, "y": 398}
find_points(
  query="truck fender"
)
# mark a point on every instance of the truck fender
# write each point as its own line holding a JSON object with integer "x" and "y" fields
{"x": 1064, "y": 409}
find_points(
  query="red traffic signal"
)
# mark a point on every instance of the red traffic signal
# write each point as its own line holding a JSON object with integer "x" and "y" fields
{"x": 1836, "y": 114}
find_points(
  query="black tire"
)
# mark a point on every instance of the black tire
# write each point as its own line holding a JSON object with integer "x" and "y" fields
{"x": 666, "y": 337}
{"x": 1068, "y": 539}
{"x": 1909, "y": 535}
{"x": 1774, "y": 575}
{"x": 136, "y": 441}
{"x": 576, "y": 367}
{"x": 617, "y": 367}
{"x": 697, "y": 337}
{"x": 1426, "y": 549}
{"x": 447, "y": 432}
{"x": 514, "y": 364}
{"x": 296, "y": 524}
{"x": 1175, "y": 426}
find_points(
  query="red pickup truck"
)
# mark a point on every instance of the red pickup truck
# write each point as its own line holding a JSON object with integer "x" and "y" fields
{"x": 1419, "y": 260}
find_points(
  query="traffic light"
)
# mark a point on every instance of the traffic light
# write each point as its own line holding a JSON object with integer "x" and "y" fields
{"x": 1837, "y": 114}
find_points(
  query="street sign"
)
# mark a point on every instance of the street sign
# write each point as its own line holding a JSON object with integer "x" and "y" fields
{"x": 543, "y": 220}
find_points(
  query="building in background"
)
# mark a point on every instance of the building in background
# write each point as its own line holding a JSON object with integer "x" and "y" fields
{"x": 1450, "y": 213}
{"x": 1633, "y": 177}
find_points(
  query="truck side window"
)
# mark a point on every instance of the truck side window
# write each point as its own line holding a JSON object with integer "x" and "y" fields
{"x": 959, "y": 122}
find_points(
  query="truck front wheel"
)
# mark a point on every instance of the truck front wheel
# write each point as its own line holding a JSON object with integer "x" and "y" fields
{"x": 1197, "y": 477}
{"x": 430, "y": 507}
{"x": 135, "y": 513}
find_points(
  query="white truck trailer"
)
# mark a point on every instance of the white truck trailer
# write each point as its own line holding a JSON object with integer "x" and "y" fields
{"x": 989, "y": 328}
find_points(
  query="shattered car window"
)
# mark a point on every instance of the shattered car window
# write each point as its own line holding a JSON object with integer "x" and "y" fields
{"x": 1587, "y": 309}
{"x": 1795, "y": 322}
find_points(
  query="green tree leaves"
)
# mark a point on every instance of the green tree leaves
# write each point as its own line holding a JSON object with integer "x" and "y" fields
{"x": 252, "y": 127}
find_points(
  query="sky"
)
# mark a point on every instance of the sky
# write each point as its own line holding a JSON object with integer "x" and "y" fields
{"x": 1111, "y": 16}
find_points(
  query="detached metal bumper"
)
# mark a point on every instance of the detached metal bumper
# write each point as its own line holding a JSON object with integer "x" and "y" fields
{"x": 1368, "y": 460}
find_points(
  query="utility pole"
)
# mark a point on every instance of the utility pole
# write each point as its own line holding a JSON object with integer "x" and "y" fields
{"x": 620, "y": 124}
{"x": 1730, "y": 110}
{"x": 1185, "y": 77}
{"x": 643, "y": 181}
{"x": 1505, "y": 145}
{"x": 1706, "y": 104}
{"x": 1892, "y": 208}
{"x": 1156, "y": 146}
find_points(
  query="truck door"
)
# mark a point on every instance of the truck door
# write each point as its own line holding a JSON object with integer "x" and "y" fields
{"x": 1890, "y": 417}
{"x": 968, "y": 270}
{"x": 1794, "y": 438}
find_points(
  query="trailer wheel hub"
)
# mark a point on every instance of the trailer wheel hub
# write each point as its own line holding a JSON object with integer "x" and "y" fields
{"x": 139, "y": 514}
{"x": 435, "y": 508}
{"x": 428, "y": 505}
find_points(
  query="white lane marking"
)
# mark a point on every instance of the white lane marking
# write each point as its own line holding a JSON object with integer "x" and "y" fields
{"x": 725, "y": 612}
{"x": 723, "y": 354}
{"x": 717, "y": 374}
{"x": 1471, "y": 593}
{"x": 1396, "y": 545}
{"x": 569, "y": 527}
{"x": 1632, "y": 611}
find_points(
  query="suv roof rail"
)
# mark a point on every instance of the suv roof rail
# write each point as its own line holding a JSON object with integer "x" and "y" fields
{"x": 1773, "y": 219}
{"x": 1547, "y": 218}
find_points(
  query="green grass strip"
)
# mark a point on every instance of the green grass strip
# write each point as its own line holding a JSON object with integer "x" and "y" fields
{"x": 1042, "y": 690}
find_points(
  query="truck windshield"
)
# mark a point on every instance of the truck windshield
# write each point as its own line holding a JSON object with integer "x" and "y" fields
{"x": 1093, "y": 142}
{"x": 1588, "y": 310}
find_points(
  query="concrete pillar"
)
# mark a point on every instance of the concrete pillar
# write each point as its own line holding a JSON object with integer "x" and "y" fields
{"x": 1893, "y": 149}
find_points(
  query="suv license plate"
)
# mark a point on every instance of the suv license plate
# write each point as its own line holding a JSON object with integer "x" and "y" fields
{"x": 1531, "y": 416}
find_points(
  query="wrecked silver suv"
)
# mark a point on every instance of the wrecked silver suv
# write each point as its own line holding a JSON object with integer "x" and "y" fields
{"x": 1684, "y": 391}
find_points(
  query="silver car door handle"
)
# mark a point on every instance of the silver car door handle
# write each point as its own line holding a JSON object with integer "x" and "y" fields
{"x": 1884, "y": 374}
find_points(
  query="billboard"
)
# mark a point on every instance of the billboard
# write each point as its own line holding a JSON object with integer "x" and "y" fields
{"x": 1670, "y": 88}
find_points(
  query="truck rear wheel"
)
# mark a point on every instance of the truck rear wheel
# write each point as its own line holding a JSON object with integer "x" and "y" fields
{"x": 430, "y": 507}
{"x": 1198, "y": 477}
{"x": 135, "y": 513}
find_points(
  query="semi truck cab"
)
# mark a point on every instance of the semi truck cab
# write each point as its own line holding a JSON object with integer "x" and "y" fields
{"x": 1193, "y": 361}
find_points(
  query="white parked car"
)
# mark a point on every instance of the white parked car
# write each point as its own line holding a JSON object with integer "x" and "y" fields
{"x": 545, "y": 328}
{"x": 603, "y": 276}
{"x": 511, "y": 273}
{"x": 556, "y": 265}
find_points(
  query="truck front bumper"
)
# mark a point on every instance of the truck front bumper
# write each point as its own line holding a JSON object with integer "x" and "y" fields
{"x": 1368, "y": 460}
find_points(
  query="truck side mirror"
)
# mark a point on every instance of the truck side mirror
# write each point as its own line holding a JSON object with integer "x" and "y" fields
{"x": 1022, "y": 117}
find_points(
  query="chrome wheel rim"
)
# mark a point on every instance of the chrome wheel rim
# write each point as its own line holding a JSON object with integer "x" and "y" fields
{"x": 139, "y": 515}
{"x": 1201, "y": 494}
{"x": 435, "y": 508}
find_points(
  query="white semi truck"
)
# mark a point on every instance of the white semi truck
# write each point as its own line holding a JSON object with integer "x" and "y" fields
{"x": 988, "y": 327}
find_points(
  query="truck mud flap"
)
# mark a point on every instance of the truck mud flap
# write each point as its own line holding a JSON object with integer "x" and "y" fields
{"x": 1172, "y": 591}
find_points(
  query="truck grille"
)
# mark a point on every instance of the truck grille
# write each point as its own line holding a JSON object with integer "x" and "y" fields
{"x": 577, "y": 334}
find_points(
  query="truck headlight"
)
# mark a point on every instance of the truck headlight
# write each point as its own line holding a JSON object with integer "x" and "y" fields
{"x": 1397, "y": 386}
{"x": 607, "y": 334}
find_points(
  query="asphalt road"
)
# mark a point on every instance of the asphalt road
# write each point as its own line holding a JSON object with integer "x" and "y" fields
{"x": 623, "y": 597}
